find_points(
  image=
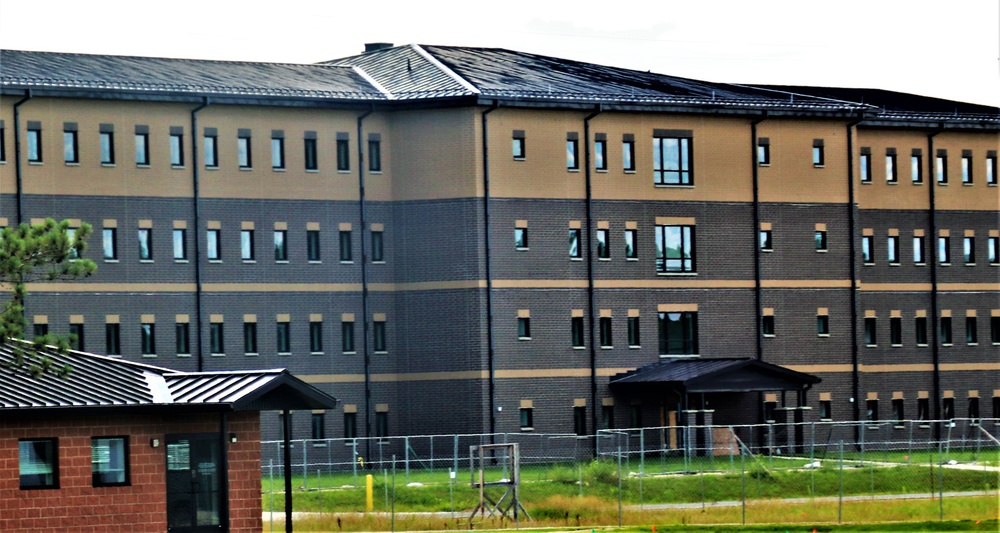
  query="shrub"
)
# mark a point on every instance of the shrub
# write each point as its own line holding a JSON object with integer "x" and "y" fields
{"x": 563, "y": 474}
{"x": 601, "y": 472}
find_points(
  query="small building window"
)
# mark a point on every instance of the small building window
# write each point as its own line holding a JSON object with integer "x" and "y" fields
{"x": 284, "y": 337}
{"x": 278, "y": 150}
{"x": 766, "y": 240}
{"x": 216, "y": 342}
{"x": 312, "y": 245}
{"x": 946, "y": 339}
{"x": 763, "y": 151}
{"x": 381, "y": 424}
{"x": 603, "y": 246}
{"x": 378, "y": 247}
{"x": 176, "y": 147}
{"x": 941, "y": 167}
{"x": 527, "y": 418}
{"x": 350, "y": 425}
{"x": 145, "y": 244}
{"x": 967, "y": 167}
{"x": 898, "y": 413}
{"x": 575, "y": 251}
{"x": 917, "y": 167}
{"x": 347, "y": 336}
{"x": 896, "y": 331}
{"x": 823, "y": 325}
{"x": 923, "y": 409}
{"x": 607, "y": 336}
{"x": 572, "y": 152}
{"x": 944, "y": 250}
{"x": 107, "y": 144}
{"x": 971, "y": 335}
{"x": 993, "y": 250}
{"x": 918, "y": 250}
{"x": 991, "y": 167}
{"x": 244, "y": 149}
{"x": 871, "y": 338}
{"x": 379, "y": 337}
{"x": 600, "y": 155}
{"x": 147, "y": 335}
{"x": 71, "y": 145}
{"x": 607, "y": 417}
{"x": 767, "y": 325}
{"x": 865, "y": 163}
{"x": 580, "y": 420}
{"x": 576, "y": 331}
{"x": 343, "y": 153}
{"x": 820, "y": 239}
{"x": 628, "y": 152}
{"x": 280, "y": 245}
{"x": 920, "y": 330}
{"x": 631, "y": 252}
{"x": 969, "y": 250}
{"x": 113, "y": 339}
{"x": 633, "y": 332}
{"x": 345, "y": 246}
{"x": 868, "y": 249}
{"x": 214, "y": 252}
{"x": 819, "y": 157}
{"x": 995, "y": 330}
{"x": 947, "y": 408}
{"x": 182, "y": 332}
{"x": 892, "y": 249}
{"x": 247, "y": 245}
{"x": 142, "y": 145}
{"x": 891, "y": 175}
{"x": 374, "y": 155}
{"x": 34, "y": 141}
{"x": 38, "y": 461}
{"x": 318, "y": 426}
{"x": 211, "y": 148}
{"x": 110, "y": 244}
{"x": 76, "y": 338}
{"x": 974, "y": 411}
{"x": 109, "y": 461}
{"x": 310, "y": 155}
{"x": 517, "y": 145}
{"x": 825, "y": 410}
{"x": 523, "y": 328}
{"x": 521, "y": 238}
{"x": 871, "y": 411}
{"x": 316, "y": 336}
{"x": 250, "y": 337}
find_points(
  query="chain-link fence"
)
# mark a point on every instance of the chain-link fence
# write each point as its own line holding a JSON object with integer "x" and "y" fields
{"x": 822, "y": 472}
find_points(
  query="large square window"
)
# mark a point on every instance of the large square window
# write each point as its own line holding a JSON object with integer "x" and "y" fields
{"x": 675, "y": 251}
{"x": 38, "y": 461}
{"x": 678, "y": 333}
{"x": 109, "y": 461}
{"x": 672, "y": 161}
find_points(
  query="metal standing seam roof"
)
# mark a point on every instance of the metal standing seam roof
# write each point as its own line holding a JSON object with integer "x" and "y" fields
{"x": 108, "y": 382}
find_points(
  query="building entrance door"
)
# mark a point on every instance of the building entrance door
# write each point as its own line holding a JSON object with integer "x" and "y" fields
{"x": 194, "y": 483}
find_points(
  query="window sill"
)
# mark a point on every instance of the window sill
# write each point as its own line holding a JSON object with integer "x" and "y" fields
{"x": 763, "y": 164}
{"x": 822, "y": 334}
{"x": 769, "y": 335}
{"x": 218, "y": 355}
{"x": 917, "y": 182}
{"x": 527, "y": 429}
{"x": 680, "y": 274}
{"x": 339, "y": 171}
{"x": 522, "y": 249}
{"x": 970, "y": 264}
{"x": 519, "y": 159}
{"x": 919, "y": 264}
{"x": 766, "y": 250}
{"x": 251, "y": 354}
{"x": 945, "y": 264}
{"x": 869, "y": 264}
{"x": 576, "y": 259}
{"x": 994, "y": 264}
{"x": 383, "y": 352}
{"x": 149, "y": 355}
{"x": 273, "y": 169}
{"x": 629, "y": 171}
{"x": 72, "y": 163}
{"x": 281, "y": 261}
{"x": 108, "y": 165}
{"x": 312, "y": 171}
{"x": 215, "y": 261}
{"x": 178, "y": 355}
{"x": 947, "y": 344}
{"x": 631, "y": 258}
{"x": 316, "y": 353}
{"x": 942, "y": 184}
{"x": 679, "y": 355}
{"x": 826, "y": 420}
{"x": 893, "y": 264}
{"x": 211, "y": 168}
{"x": 631, "y": 347}
{"x": 896, "y": 345}
{"x": 181, "y": 261}
{"x": 822, "y": 251}
{"x": 311, "y": 262}
{"x": 604, "y": 259}
{"x": 350, "y": 353}
{"x": 991, "y": 184}
{"x": 177, "y": 167}
{"x": 140, "y": 165}
{"x": 863, "y": 182}
{"x": 822, "y": 166}
{"x": 146, "y": 261}
{"x": 972, "y": 344}
{"x": 607, "y": 347}
{"x": 524, "y": 338}
{"x": 601, "y": 170}
{"x": 572, "y": 170}
{"x": 249, "y": 261}
{"x": 110, "y": 260}
{"x": 579, "y": 347}
{"x": 38, "y": 163}
{"x": 924, "y": 345}
{"x": 967, "y": 184}
{"x": 673, "y": 186}
{"x": 891, "y": 182}
{"x": 284, "y": 354}
{"x": 319, "y": 445}
{"x": 375, "y": 172}
{"x": 871, "y": 345}
{"x": 378, "y": 262}
{"x": 898, "y": 426}
{"x": 246, "y": 169}
{"x": 347, "y": 262}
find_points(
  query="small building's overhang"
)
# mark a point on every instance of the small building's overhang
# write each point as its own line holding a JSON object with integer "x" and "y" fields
{"x": 715, "y": 375}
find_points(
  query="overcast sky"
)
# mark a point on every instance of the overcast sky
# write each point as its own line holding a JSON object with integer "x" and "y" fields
{"x": 944, "y": 48}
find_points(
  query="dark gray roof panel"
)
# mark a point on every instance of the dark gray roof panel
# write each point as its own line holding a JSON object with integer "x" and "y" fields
{"x": 185, "y": 76}
{"x": 725, "y": 374}
{"x": 407, "y": 72}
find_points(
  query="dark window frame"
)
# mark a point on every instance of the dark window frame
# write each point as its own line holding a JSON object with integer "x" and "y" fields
{"x": 283, "y": 337}
{"x": 347, "y": 336}
{"x": 182, "y": 338}
{"x": 248, "y": 250}
{"x": 576, "y": 332}
{"x": 575, "y": 237}
{"x": 601, "y": 155}
{"x": 142, "y": 149}
{"x": 683, "y": 264}
{"x": 98, "y": 477}
{"x": 683, "y": 175}
{"x": 250, "y": 345}
{"x": 313, "y": 249}
{"x": 280, "y": 245}
{"x": 217, "y": 341}
{"x": 687, "y": 343}
{"x": 343, "y": 155}
{"x": 374, "y": 156}
{"x": 48, "y": 458}
{"x": 315, "y": 337}
{"x": 345, "y": 246}
{"x": 379, "y": 340}
{"x": 606, "y": 331}
{"x": 71, "y": 146}
{"x": 112, "y": 338}
{"x": 378, "y": 246}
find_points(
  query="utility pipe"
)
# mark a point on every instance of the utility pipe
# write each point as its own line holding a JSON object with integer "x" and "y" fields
{"x": 489, "y": 275}
{"x": 17, "y": 154}
{"x": 590, "y": 270}
{"x": 198, "y": 267}
{"x": 364, "y": 281}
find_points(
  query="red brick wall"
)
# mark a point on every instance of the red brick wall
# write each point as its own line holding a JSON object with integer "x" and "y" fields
{"x": 78, "y": 506}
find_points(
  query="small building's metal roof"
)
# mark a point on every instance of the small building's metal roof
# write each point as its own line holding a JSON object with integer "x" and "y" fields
{"x": 724, "y": 374}
{"x": 98, "y": 381}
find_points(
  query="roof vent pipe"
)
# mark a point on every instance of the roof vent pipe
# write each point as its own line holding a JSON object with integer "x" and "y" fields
{"x": 371, "y": 47}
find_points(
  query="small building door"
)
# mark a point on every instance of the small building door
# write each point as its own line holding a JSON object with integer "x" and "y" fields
{"x": 194, "y": 483}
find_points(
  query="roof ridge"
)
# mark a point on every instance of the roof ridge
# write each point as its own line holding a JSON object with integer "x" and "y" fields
{"x": 444, "y": 68}
{"x": 180, "y": 59}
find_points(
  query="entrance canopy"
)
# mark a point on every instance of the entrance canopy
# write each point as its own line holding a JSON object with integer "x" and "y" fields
{"x": 729, "y": 374}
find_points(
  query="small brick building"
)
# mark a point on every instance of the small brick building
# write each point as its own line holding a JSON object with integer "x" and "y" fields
{"x": 121, "y": 446}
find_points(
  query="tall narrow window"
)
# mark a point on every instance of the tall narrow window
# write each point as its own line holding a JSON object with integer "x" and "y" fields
{"x": 969, "y": 250}
{"x": 521, "y": 238}
{"x": 107, "y": 144}
{"x": 971, "y": 335}
{"x": 212, "y": 244}
{"x": 572, "y": 152}
{"x": 896, "y": 331}
{"x": 767, "y": 325}
{"x": 71, "y": 238}
{"x": 142, "y": 145}
{"x": 145, "y": 244}
{"x": 947, "y": 408}
{"x": 110, "y": 244}
{"x": 941, "y": 166}
{"x": 316, "y": 336}
{"x": 280, "y": 245}
{"x": 575, "y": 252}
{"x": 820, "y": 240}
{"x": 600, "y": 152}
{"x": 603, "y": 246}
{"x": 678, "y": 333}
{"x": 819, "y": 157}
{"x": 76, "y": 338}
{"x": 870, "y": 332}
{"x": 763, "y": 151}
{"x": 211, "y": 148}
{"x": 180, "y": 244}
{"x": 918, "y": 250}
{"x": 946, "y": 339}
{"x": 826, "y": 410}
{"x": 34, "y": 141}
{"x": 675, "y": 250}
{"x": 284, "y": 337}
{"x": 634, "y": 339}
{"x": 38, "y": 462}
{"x": 517, "y": 145}
{"x": 246, "y": 245}
{"x": 892, "y": 249}
{"x": 995, "y": 330}
{"x": 318, "y": 426}
{"x": 607, "y": 335}
{"x": 526, "y": 418}
{"x": 244, "y": 149}
{"x": 182, "y": 333}
{"x": 923, "y": 410}
{"x": 823, "y": 325}
{"x": 350, "y": 425}
{"x": 630, "y": 242}
{"x": 580, "y": 420}
{"x": 523, "y": 327}
{"x": 920, "y": 330}
{"x": 374, "y": 152}
{"x": 871, "y": 410}
{"x": 347, "y": 336}
{"x": 607, "y": 417}
{"x": 345, "y": 245}
{"x": 216, "y": 340}
{"x": 967, "y": 167}
{"x": 917, "y": 166}
{"x": 71, "y": 144}
{"x": 112, "y": 339}
{"x": 3, "y": 142}
{"x": 944, "y": 250}
{"x": 991, "y": 167}
{"x": 148, "y": 338}
{"x": 576, "y": 331}
{"x": 378, "y": 248}
{"x": 250, "y": 337}
{"x": 343, "y": 153}
{"x": 865, "y": 164}
{"x": 898, "y": 415}
{"x": 993, "y": 250}
{"x": 176, "y": 146}
{"x": 378, "y": 336}
{"x": 868, "y": 249}
{"x": 312, "y": 245}
{"x": 766, "y": 241}
{"x": 311, "y": 157}
{"x": 890, "y": 166}
{"x": 973, "y": 414}
{"x": 278, "y": 149}
{"x": 628, "y": 152}
{"x": 672, "y": 156}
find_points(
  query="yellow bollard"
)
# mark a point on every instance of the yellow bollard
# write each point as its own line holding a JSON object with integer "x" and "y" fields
{"x": 369, "y": 493}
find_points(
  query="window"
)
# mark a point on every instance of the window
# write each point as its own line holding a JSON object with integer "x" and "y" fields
{"x": 767, "y": 325}
{"x": 630, "y": 250}
{"x": 311, "y": 156}
{"x": 278, "y": 150}
{"x": 607, "y": 417}
{"x": 974, "y": 411}
{"x": 678, "y": 333}
{"x": 635, "y": 416}
{"x": 763, "y": 151}
{"x": 819, "y": 158}
{"x": 946, "y": 339}
{"x": 316, "y": 337}
{"x": 995, "y": 330}
{"x": 148, "y": 338}
{"x": 866, "y": 164}
{"x": 867, "y": 249}
{"x": 517, "y": 145}
{"x": 345, "y": 245}
{"x": 176, "y": 146}
{"x": 600, "y": 154}
{"x": 381, "y": 424}
{"x": 110, "y": 244}
{"x": 917, "y": 167}
{"x": 250, "y": 337}
{"x": 41, "y": 330}
{"x": 284, "y": 334}
{"x": 603, "y": 248}
{"x": 575, "y": 251}
{"x": 113, "y": 339}
{"x": 182, "y": 334}
{"x": 996, "y": 408}
{"x": 145, "y": 244}
{"x": 246, "y": 245}
{"x": 318, "y": 426}
{"x": 969, "y": 250}
{"x": 180, "y": 244}
{"x": 633, "y": 332}
{"x": 971, "y": 335}
{"x": 217, "y": 343}
{"x": 820, "y": 238}
{"x": 280, "y": 245}
{"x": 826, "y": 410}
{"x": 523, "y": 327}
{"x": 71, "y": 146}
{"x": 212, "y": 243}
{"x": 76, "y": 337}
{"x": 769, "y": 411}
{"x": 244, "y": 149}
{"x": 142, "y": 145}
{"x": 343, "y": 153}
{"x": 870, "y": 335}
{"x": 675, "y": 249}
{"x": 350, "y": 425}
{"x": 526, "y": 418}
{"x": 898, "y": 416}
{"x": 576, "y": 331}
{"x": 347, "y": 336}
{"x": 107, "y": 144}
{"x": 580, "y": 420}
{"x": 892, "y": 249}
{"x": 920, "y": 329}
{"x": 73, "y": 253}
{"x": 628, "y": 152}
{"x": 34, "y": 142}
{"x": 607, "y": 339}
{"x": 896, "y": 331}
{"x": 871, "y": 410}
{"x": 918, "y": 250}
{"x": 991, "y": 167}
{"x": 109, "y": 461}
{"x": 572, "y": 152}
{"x": 941, "y": 166}
{"x": 890, "y": 166}
{"x": 521, "y": 238}
{"x": 967, "y": 167}
{"x": 823, "y": 325}
{"x": 378, "y": 250}
{"x": 672, "y": 160}
{"x": 993, "y": 250}
{"x": 923, "y": 409}
{"x": 38, "y": 460}
{"x": 374, "y": 153}
{"x": 948, "y": 408}
{"x": 312, "y": 245}
{"x": 211, "y": 148}
{"x": 3, "y": 142}
{"x": 944, "y": 250}
{"x": 766, "y": 242}
{"x": 378, "y": 336}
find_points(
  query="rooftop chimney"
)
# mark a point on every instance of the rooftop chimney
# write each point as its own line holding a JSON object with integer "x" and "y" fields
{"x": 371, "y": 47}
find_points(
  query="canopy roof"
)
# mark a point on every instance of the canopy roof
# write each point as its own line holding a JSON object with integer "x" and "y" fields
{"x": 727, "y": 374}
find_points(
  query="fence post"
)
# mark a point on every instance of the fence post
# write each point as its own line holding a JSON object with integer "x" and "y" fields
{"x": 305, "y": 467}
{"x": 743, "y": 485}
{"x": 862, "y": 433}
{"x": 619, "y": 486}
{"x": 406, "y": 457}
{"x": 840, "y": 498}
{"x": 392, "y": 508}
{"x": 454, "y": 453}
{"x": 354, "y": 460}
{"x": 270, "y": 490}
{"x": 732, "y": 440}
{"x": 941, "y": 482}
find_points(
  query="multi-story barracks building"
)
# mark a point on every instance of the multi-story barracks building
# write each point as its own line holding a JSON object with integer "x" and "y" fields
{"x": 468, "y": 240}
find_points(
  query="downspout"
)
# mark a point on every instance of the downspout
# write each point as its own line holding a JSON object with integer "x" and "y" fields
{"x": 224, "y": 469}
{"x": 853, "y": 254}
{"x": 17, "y": 154}
{"x": 198, "y": 267}
{"x": 935, "y": 261}
{"x": 755, "y": 165}
{"x": 590, "y": 270}
{"x": 489, "y": 274}
{"x": 364, "y": 282}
